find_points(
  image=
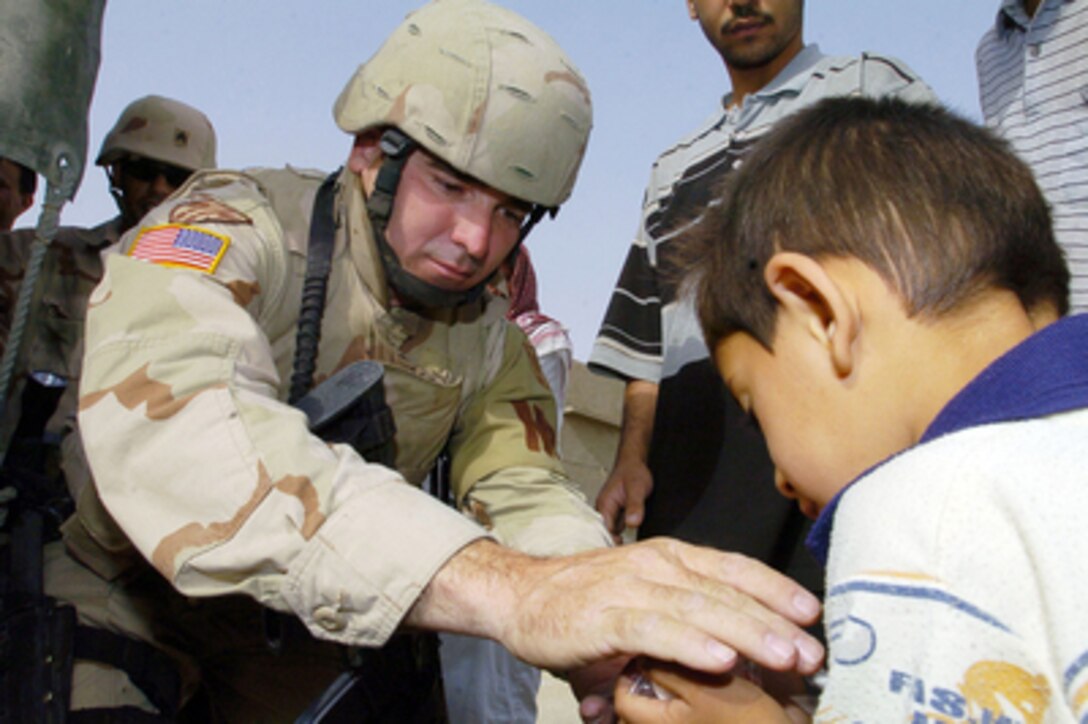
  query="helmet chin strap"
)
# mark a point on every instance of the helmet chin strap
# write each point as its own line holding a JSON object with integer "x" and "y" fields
{"x": 396, "y": 148}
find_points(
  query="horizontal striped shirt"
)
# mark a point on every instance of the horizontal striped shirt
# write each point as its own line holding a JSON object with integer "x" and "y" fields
{"x": 1033, "y": 88}
{"x": 646, "y": 334}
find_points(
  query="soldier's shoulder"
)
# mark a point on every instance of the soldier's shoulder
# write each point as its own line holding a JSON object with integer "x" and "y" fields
{"x": 250, "y": 197}
{"x": 286, "y": 180}
{"x": 220, "y": 197}
{"x": 226, "y": 185}
{"x": 92, "y": 238}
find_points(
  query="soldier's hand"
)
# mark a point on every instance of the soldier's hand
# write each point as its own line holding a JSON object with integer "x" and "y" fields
{"x": 664, "y": 598}
{"x": 673, "y": 601}
{"x": 622, "y": 499}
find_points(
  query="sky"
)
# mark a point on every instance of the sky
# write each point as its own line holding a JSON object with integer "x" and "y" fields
{"x": 266, "y": 73}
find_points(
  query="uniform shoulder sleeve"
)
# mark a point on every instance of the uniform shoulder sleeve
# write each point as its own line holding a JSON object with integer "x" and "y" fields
{"x": 214, "y": 479}
{"x": 220, "y": 223}
{"x": 506, "y": 469}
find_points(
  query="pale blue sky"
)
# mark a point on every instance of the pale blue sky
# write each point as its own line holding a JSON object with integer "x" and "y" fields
{"x": 266, "y": 73}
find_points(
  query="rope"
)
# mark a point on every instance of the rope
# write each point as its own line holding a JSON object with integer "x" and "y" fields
{"x": 48, "y": 224}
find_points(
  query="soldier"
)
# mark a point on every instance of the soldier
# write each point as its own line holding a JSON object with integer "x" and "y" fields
{"x": 468, "y": 125}
{"x": 17, "y": 186}
{"x": 155, "y": 145}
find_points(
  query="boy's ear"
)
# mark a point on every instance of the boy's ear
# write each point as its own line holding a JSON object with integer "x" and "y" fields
{"x": 805, "y": 290}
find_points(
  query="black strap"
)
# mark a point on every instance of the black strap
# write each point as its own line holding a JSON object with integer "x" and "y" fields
{"x": 151, "y": 671}
{"x": 308, "y": 338}
{"x": 318, "y": 266}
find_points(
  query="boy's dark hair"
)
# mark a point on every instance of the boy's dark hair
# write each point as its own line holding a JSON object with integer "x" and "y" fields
{"x": 939, "y": 207}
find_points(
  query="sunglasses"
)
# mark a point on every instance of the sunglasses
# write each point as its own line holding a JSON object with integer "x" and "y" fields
{"x": 146, "y": 170}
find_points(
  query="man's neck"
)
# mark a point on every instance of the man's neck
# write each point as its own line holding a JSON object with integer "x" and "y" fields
{"x": 752, "y": 80}
{"x": 1030, "y": 6}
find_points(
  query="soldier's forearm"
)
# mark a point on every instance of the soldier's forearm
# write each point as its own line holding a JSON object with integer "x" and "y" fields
{"x": 473, "y": 593}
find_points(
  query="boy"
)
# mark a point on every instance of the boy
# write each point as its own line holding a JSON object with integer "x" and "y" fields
{"x": 880, "y": 290}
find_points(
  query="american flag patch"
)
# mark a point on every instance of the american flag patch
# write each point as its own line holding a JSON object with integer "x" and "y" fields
{"x": 178, "y": 245}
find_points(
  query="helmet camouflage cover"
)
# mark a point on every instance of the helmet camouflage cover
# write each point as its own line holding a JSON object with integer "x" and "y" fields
{"x": 164, "y": 130}
{"x": 483, "y": 89}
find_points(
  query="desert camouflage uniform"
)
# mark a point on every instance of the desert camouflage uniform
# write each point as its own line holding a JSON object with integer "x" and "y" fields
{"x": 52, "y": 348}
{"x": 216, "y": 481}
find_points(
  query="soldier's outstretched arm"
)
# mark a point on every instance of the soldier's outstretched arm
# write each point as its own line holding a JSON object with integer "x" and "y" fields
{"x": 213, "y": 478}
{"x": 673, "y": 601}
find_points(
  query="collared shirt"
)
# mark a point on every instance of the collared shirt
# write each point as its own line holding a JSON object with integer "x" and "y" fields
{"x": 958, "y": 569}
{"x": 1033, "y": 87}
{"x": 1043, "y": 375}
{"x": 645, "y": 326}
{"x": 711, "y": 470}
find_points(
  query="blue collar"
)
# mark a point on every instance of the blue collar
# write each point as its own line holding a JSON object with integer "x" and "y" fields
{"x": 1044, "y": 375}
{"x": 1012, "y": 16}
{"x": 792, "y": 78}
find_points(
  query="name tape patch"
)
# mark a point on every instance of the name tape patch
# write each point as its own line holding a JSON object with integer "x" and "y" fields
{"x": 181, "y": 246}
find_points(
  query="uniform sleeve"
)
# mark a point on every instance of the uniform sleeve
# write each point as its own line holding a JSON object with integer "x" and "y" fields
{"x": 505, "y": 465}
{"x": 216, "y": 482}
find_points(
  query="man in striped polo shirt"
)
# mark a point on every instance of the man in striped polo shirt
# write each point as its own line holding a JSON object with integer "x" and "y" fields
{"x": 683, "y": 435}
{"x": 1033, "y": 87}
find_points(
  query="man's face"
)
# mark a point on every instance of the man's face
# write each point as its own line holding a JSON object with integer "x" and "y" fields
{"x": 820, "y": 435}
{"x": 12, "y": 201}
{"x": 447, "y": 229}
{"x": 144, "y": 184}
{"x": 750, "y": 33}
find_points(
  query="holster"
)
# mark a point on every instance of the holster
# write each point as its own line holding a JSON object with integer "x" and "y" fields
{"x": 400, "y": 683}
{"x": 349, "y": 407}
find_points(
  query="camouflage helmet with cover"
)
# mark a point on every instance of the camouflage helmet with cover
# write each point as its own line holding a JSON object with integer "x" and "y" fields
{"x": 483, "y": 89}
{"x": 163, "y": 130}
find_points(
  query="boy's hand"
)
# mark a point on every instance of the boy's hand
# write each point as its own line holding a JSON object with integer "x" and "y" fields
{"x": 683, "y": 696}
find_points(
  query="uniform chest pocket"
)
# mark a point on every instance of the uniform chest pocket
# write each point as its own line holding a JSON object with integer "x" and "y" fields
{"x": 55, "y": 342}
{"x": 425, "y": 408}
{"x": 56, "y": 333}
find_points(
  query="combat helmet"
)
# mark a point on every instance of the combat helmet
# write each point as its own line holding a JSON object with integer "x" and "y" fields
{"x": 161, "y": 129}
{"x": 484, "y": 90}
